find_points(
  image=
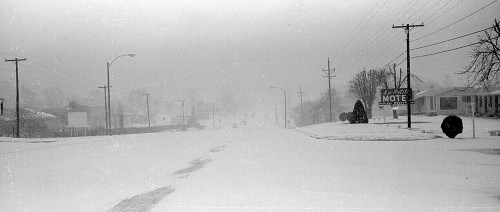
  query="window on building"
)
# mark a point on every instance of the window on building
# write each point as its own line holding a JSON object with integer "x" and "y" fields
{"x": 480, "y": 101}
{"x": 491, "y": 101}
{"x": 431, "y": 103}
{"x": 466, "y": 99}
{"x": 448, "y": 103}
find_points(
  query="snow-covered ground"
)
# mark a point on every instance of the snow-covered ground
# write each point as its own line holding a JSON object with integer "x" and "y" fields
{"x": 258, "y": 167}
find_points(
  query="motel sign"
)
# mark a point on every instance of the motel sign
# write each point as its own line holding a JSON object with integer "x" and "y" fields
{"x": 396, "y": 96}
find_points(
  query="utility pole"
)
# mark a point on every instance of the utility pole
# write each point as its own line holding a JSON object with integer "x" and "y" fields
{"x": 301, "y": 106}
{"x": 17, "y": 92}
{"x": 105, "y": 106}
{"x": 147, "y": 102}
{"x": 182, "y": 100}
{"x": 276, "y": 113}
{"x": 284, "y": 94}
{"x": 108, "y": 64}
{"x": 329, "y": 75}
{"x": 409, "y": 95}
{"x": 213, "y": 113}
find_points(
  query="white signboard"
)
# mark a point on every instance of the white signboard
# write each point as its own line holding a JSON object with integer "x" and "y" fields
{"x": 394, "y": 96}
{"x": 77, "y": 119}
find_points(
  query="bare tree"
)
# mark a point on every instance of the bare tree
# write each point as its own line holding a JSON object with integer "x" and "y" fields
{"x": 484, "y": 68}
{"x": 317, "y": 111}
{"x": 364, "y": 86}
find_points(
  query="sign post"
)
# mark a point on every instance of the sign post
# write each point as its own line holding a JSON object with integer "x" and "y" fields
{"x": 397, "y": 96}
{"x": 1, "y": 105}
{"x": 473, "y": 107}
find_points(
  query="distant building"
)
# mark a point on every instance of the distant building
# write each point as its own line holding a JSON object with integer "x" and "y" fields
{"x": 80, "y": 115}
{"x": 32, "y": 122}
{"x": 457, "y": 101}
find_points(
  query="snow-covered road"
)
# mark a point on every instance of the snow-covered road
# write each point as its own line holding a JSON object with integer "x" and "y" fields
{"x": 257, "y": 167}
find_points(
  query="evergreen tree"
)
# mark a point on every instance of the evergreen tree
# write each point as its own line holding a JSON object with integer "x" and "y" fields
{"x": 358, "y": 114}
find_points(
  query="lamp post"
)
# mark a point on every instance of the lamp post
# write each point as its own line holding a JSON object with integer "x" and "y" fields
{"x": 108, "y": 64}
{"x": 284, "y": 92}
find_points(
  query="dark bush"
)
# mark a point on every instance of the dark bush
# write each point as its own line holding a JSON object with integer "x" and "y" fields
{"x": 452, "y": 126}
{"x": 358, "y": 114}
{"x": 348, "y": 116}
{"x": 343, "y": 116}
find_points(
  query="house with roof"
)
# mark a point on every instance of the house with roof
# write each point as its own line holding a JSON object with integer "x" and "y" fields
{"x": 32, "y": 122}
{"x": 458, "y": 101}
{"x": 83, "y": 116}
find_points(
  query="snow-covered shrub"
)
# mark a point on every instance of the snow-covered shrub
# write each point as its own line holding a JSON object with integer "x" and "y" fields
{"x": 452, "y": 126}
{"x": 358, "y": 114}
{"x": 342, "y": 116}
{"x": 348, "y": 116}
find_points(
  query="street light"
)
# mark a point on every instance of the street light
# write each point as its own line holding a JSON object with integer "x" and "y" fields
{"x": 284, "y": 92}
{"x": 108, "y": 64}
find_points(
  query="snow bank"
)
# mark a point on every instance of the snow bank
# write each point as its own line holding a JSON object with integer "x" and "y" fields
{"x": 364, "y": 132}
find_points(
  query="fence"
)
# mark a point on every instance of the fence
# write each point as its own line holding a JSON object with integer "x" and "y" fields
{"x": 9, "y": 130}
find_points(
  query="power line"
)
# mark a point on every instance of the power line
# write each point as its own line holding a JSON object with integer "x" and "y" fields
{"x": 395, "y": 59}
{"x": 456, "y": 21}
{"x": 393, "y": 44}
{"x": 449, "y": 9}
{"x": 416, "y": 11}
{"x": 401, "y": 62}
{"x": 355, "y": 28}
{"x": 452, "y": 38}
{"x": 419, "y": 30}
{"x": 367, "y": 46}
{"x": 63, "y": 77}
{"x": 78, "y": 78}
{"x": 460, "y": 47}
{"x": 433, "y": 6}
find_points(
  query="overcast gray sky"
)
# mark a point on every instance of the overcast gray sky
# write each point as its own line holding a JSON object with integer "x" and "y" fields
{"x": 244, "y": 46}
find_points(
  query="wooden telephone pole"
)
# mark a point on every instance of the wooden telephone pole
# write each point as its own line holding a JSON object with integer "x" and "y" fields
{"x": 17, "y": 93}
{"x": 147, "y": 102}
{"x": 329, "y": 75}
{"x": 301, "y": 106}
{"x": 105, "y": 106}
{"x": 410, "y": 93}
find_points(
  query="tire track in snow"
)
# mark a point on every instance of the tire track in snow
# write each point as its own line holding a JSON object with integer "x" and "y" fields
{"x": 196, "y": 165}
{"x": 143, "y": 202}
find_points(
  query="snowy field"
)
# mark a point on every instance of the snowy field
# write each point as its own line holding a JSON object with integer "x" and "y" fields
{"x": 259, "y": 167}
